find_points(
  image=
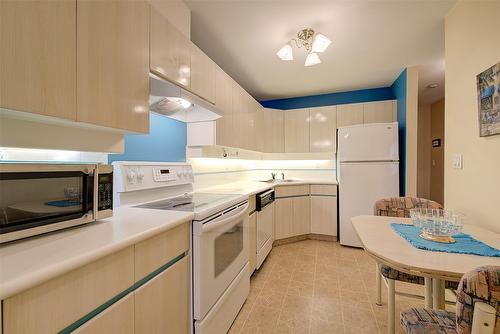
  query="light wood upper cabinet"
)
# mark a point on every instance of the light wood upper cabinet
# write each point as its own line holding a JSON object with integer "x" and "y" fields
{"x": 118, "y": 318}
{"x": 296, "y": 130}
{"x": 38, "y": 57}
{"x": 170, "y": 53}
{"x": 241, "y": 118}
{"x": 378, "y": 112}
{"x": 202, "y": 74}
{"x": 224, "y": 102}
{"x": 113, "y": 64}
{"x": 349, "y": 114}
{"x": 258, "y": 131}
{"x": 162, "y": 304}
{"x": 323, "y": 128}
{"x": 274, "y": 130}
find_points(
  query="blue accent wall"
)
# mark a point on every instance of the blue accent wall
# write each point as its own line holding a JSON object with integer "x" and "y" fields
{"x": 355, "y": 96}
{"x": 399, "y": 92}
{"x": 166, "y": 141}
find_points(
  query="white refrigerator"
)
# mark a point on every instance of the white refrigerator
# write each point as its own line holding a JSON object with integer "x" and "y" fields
{"x": 367, "y": 170}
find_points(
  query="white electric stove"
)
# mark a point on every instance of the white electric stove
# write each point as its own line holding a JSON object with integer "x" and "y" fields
{"x": 220, "y": 274}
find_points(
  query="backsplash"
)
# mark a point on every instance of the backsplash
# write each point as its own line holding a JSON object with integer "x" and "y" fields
{"x": 42, "y": 155}
{"x": 211, "y": 172}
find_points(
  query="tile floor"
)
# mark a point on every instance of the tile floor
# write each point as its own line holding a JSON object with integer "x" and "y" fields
{"x": 311, "y": 287}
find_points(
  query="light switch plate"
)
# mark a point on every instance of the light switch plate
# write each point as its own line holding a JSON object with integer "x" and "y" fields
{"x": 457, "y": 161}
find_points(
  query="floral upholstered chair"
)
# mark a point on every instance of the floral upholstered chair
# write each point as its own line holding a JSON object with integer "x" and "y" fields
{"x": 477, "y": 308}
{"x": 400, "y": 207}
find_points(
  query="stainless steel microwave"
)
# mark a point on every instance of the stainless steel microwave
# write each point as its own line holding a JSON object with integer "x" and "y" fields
{"x": 41, "y": 198}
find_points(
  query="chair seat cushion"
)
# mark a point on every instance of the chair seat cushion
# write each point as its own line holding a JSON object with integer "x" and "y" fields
{"x": 397, "y": 275}
{"x": 426, "y": 321}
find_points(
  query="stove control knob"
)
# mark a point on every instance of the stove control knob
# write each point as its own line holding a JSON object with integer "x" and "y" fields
{"x": 131, "y": 176}
{"x": 140, "y": 175}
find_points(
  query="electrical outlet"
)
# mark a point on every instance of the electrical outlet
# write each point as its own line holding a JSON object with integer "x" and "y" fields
{"x": 457, "y": 161}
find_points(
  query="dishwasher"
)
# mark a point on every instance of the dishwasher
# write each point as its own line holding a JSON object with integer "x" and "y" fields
{"x": 265, "y": 221}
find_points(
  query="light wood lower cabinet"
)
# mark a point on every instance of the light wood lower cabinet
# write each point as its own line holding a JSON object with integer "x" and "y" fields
{"x": 292, "y": 217}
{"x": 113, "y": 64}
{"x": 118, "y": 318}
{"x": 324, "y": 215}
{"x": 162, "y": 304}
{"x": 301, "y": 215}
{"x": 38, "y": 57}
{"x": 56, "y": 304}
{"x": 252, "y": 245}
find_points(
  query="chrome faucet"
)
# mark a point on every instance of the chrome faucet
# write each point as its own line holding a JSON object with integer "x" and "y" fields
{"x": 283, "y": 176}
{"x": 273, "y": 175}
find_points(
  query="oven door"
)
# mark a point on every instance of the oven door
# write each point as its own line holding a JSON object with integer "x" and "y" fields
{"x": 36, "y": 199}
{"x": 220, "y": 251}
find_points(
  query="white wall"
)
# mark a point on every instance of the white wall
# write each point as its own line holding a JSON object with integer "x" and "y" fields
{"x": 472, "y": 45}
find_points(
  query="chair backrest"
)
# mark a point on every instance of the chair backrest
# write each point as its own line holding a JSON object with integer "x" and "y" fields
{"x": 479, "y": 285}
{"x": 400, "y": 206}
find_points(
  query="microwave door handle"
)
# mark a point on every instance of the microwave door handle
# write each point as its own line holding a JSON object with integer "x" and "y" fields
{"x": 242, "y": 211}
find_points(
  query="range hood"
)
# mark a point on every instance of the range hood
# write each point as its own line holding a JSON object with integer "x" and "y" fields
{"x": 170, "y": 100}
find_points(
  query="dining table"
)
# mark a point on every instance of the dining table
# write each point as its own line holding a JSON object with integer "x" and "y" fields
{"x": 387, "y": 247}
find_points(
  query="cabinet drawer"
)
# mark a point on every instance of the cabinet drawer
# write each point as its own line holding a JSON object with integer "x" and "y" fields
{"x": 324, "y": 189}
{"x": 154, "y": 252}
{"x": 284, "y": 191}
{"x": 56, "y": 304}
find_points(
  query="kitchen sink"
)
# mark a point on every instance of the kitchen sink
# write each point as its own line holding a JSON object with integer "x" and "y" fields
{"x": 279, "y": 181}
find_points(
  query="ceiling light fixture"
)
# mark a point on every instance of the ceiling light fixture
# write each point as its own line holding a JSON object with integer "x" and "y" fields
{"x": 314, "y": 43}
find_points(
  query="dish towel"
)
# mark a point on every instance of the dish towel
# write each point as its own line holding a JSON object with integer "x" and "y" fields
{"x": 465, "y": 244}
{"x": 63, "y": 203}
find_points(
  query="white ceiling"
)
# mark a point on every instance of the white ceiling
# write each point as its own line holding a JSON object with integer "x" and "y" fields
{"x": 372, "y": 42}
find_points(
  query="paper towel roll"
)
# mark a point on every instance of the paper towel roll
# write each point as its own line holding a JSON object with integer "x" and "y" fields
{"x": 483, "y": 321}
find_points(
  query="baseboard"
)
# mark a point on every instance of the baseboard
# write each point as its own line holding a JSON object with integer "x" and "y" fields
{"x": 310, "y": 236}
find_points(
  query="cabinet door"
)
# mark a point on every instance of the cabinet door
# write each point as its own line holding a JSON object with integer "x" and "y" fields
{"x": 224, "y": 102}
{"x": 170, "y": 55}
{"x": 162, "y": 304}
{"x": 324, "y": 215}
{"x": 274, "y": 131}
{"x": 38, "y": 57}
{"x": 349, "y": 114}
{"x": 297, "y": 131}
{"x": 202, "y": 74}
{"x": 378, "y": 112}
{"x": 258, "y": 131}
{"x": 301, "y": 215}
{"x": 283, "y": 218}
{"x": 118, "y": 318}
{"x": 113, "y": 64}
{"x": 323, "y": 127}
{"x": 240, "y": 118}
{"x": 252, "y": 245}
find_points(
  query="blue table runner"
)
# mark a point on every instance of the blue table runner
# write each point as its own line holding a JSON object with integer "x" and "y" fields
{"x": 465, "y": 244}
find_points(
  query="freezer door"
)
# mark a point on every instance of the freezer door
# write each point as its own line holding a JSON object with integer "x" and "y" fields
{"x": 360, "y": 186}
{"x": 368, "y": 142}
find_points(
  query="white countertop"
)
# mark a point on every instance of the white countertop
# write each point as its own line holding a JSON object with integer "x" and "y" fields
{"x": 26, "y": 263}
{"x": 383, "y": 243}
{"x": 253, "y": 187}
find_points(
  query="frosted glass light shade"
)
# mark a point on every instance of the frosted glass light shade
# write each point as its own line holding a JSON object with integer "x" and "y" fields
{"x": 312, "y": 59}
{"x": 320, "y": 43}
{"x": 286, "y": 52}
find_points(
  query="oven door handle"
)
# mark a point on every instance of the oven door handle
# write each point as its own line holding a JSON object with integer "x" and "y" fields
{"x": 233, "y": 216}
